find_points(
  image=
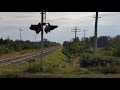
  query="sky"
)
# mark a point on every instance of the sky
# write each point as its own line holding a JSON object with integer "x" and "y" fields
{"x": 12, "y": 22}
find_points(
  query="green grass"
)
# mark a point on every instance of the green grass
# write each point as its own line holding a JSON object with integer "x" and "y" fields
{"x": 55, "y": 65}
{"x": 56, "y": 61}
{"x": 12, "y": 70}
{"x": 13, "y": 54}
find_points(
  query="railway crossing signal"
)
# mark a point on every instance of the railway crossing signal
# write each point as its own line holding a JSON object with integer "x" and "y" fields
{"x": 39, "y": 28}
{"x": 36, "y": 28}
{"x": 49, "y": 27}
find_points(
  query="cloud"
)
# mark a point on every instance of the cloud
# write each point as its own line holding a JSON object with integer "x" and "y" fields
{"x": 11, "y": 22}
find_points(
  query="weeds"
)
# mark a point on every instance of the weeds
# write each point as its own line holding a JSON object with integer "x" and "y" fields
{"x": 106, "y": 70}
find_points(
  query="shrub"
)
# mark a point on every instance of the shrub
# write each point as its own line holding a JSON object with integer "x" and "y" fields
{"x": 116, "y": 52}
{"x": 87, "y": 60}
{"x": 33, "y": 68}
{"x": 81, "y": 71}
{"x": 107, "y": 48}
{"x": 75, "y": 48}
{"x": 106, "y": 70}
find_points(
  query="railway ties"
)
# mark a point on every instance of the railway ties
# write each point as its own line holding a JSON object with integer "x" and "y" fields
{"x": 27, "y": 57}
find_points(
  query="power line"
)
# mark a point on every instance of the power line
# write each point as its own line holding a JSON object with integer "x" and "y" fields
{"x": 76, "y": 30}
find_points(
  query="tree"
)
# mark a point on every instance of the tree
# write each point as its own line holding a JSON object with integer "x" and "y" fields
{"x": 103, "y": 41}
{"x": 1, "y": 41}
{"x": 8, "y": 46}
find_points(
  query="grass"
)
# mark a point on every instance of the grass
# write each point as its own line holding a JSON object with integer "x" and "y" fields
{"x": 13, "y": 54}
{"x": 55, "y": 65}
{"x": 12, "y": 70}
{"x": 56, "y": 61}
{"x": 106, "y": 70}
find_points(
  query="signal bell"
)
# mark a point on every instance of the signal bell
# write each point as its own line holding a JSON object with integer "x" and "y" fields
{"x": 49, "y": 27}
{"x": 36, "y": 28}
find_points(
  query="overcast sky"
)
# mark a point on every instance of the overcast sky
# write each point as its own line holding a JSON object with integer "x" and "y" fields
{"x": 12, "y": 22}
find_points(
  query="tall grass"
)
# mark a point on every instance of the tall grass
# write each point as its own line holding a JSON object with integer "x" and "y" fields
{"x": 12, "y": 71}
{"x": 106, "y": 70}
{"x": 87, "y": 60}
{"x": 102, "y": 64}
{"x": 54, "y": 62}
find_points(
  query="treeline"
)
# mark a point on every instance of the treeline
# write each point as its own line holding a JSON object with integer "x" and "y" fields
{"x": 75, "y": 47}
{"x": 107, "y": 59}
{"x": 104, "y": 42}
{"x": 8, "y": 46}
{"x": 107, "y": 43}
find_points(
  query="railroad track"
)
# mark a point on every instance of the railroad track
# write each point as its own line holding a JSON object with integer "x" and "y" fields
{"x": 27, "y": 57}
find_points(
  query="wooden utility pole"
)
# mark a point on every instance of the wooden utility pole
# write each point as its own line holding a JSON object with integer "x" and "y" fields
{"x": 84, "y": 35}
{"x": 20, "y": 39}
{"x": 20, "y": 42}
{"x": 35, "y": 37}
{"x": 95, "y": 34}
{"x": 76, "y": 30}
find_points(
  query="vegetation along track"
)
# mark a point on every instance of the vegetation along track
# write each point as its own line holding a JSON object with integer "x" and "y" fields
{"x": 27, "y": 57}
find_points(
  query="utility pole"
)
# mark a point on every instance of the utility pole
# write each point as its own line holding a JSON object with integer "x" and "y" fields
{"x": 75, "y": 30}
{"x": 39, "y": 28}
{"x": 49, "y": 26}
{"x": 34, "y": 42}
{"x": 35, "y": 37}
{"x": 95, "y": 34}
{"x": 84, "y": 35}
{"x": 42, "y": 14}
{"x": 20, "y": 39}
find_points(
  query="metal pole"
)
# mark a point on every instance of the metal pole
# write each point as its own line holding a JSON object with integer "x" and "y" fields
{"x": 95, "y": 34}
{"x": 41, "y": 40}
{"x": 35, "y": 37}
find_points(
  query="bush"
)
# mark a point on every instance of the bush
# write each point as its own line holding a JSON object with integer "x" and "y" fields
{"x": 106, "y": 70}
{"x": 33, "y": 68}
{"x": 75, "y": 48}
{"x": 107, "y": 53}
{"x": 107, "y": 48}
{"x": 81, "y": 71}
{"x": 87, "y": 60}
{"x": 116, "y": 52}
{"x": 5, "y": 50}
